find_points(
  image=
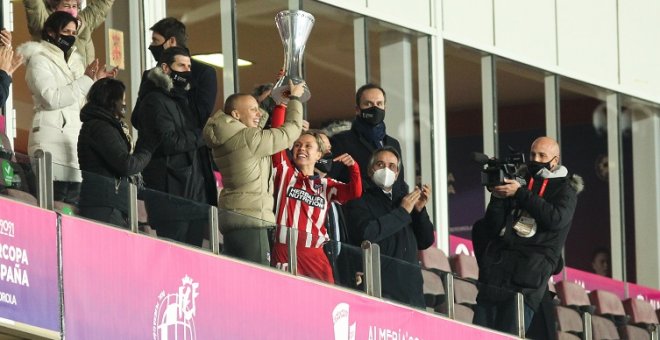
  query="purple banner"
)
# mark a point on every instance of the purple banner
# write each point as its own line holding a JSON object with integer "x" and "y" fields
{"x": 119, "y": 285}
{"x": 29, "y": 290}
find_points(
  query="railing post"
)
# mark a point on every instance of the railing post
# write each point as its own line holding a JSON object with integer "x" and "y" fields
{"x": 451, "y": 310}
{"x": 292, "y": 244}
{"x": 520, "y": 312}
{"x": 133, "y": 207}
{"x": 44, "y": 179}
{"x": 586, "y": 319}
{"x": 654, "y": 332}
{"x": 371, "y": 265}
{"x": 214, "y": 233}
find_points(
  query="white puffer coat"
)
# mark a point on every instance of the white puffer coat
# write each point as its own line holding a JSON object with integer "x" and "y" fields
{"x": 59, "y": 88}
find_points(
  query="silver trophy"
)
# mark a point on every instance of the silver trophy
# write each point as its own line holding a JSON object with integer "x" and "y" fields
{"x": 294, "y": 28}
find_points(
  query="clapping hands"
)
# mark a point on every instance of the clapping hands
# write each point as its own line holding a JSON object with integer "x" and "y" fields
{"x": 95, "y": 72}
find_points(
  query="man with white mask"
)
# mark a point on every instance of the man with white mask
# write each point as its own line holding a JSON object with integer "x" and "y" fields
{"x": 398, "y": 222}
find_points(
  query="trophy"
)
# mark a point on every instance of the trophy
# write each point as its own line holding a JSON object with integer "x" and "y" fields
{"x": 294, "y": 28}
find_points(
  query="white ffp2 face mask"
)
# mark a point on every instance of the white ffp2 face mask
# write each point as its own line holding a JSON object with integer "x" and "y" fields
{"x": 384, "y": 178}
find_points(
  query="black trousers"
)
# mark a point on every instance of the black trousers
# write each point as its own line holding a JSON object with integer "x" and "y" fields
{"x": 107, "y": 215}
{"x": 185, "y": 231}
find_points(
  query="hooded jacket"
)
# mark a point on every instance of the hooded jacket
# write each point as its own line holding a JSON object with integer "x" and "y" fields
{"x": 105, "y": 159}
{"x": 161, "y": 119}
{"x": 37, "y": 11}
{"x": 58, "y": 87}
{"x": 243, "y": 156}
{"x": 515, "y": 262}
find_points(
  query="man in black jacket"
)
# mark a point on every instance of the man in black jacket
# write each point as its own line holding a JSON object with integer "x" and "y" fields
{"x": 518, "y": 242}
{"x": 367, "y": 134}
{"x": 163, "y": 114}
{"x": 170, "y": 32}
{"x": 398, "y": 222}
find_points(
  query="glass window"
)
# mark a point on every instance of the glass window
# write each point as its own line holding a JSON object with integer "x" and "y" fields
{"x": 584, "y": 152}
{"x": 520, "y": 106}
{"x": 464, "y": 135}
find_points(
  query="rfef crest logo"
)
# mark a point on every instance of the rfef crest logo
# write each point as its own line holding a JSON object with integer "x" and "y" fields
{"x": 174, "y": 313}
{"x": 340, "y": 319}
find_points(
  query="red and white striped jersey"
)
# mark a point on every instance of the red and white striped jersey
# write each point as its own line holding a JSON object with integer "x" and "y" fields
{"x": 302, "y": 202}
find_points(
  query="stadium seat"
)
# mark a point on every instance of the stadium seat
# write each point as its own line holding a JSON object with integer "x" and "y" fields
{"x": 465, "y": 292}
{"x": 640, "y": 312}
{"x": 603, "y": 328}
{"x": 573, "y": 295}
{"x": 606, "y": 303}
{"x": 465, "y": 266}
{"x": 434, "y": 259}
{"x": 434, "y": 291}
{"x": 566, "y": 336}
{"x": 609, "y": 305}
{"x": 569, "y": 320}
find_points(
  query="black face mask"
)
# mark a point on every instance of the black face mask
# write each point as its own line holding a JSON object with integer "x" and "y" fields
{"x": 534, "y": 167}
{"x": 324, "y": 164}
{"x": 65, "y": 42}
{"x": 157, "y": 51}
{"x": 372, "y": 115}
{"x": 180, "y": 79}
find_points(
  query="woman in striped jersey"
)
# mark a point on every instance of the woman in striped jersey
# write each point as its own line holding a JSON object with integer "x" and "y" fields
{"x": 303, "y": 198}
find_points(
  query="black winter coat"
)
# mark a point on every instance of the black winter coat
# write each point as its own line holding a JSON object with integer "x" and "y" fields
{"x": 524, "y": 264}
{"x": 161, "y": 115}
{"x": 361, "y": 149}
{"x": 376, "y": 218}
{"x": 201, "y": 98}
{"x": 105, "y": 159}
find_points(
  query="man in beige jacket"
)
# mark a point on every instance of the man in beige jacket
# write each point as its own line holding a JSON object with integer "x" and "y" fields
{"x": 242, "y": 151}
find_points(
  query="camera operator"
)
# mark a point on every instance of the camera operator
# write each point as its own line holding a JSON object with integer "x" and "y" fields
{"x": 518, "y": 242}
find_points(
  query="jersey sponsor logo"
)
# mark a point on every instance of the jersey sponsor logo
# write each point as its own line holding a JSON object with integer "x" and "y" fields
{"x": 305, "y": 197}
{"x": 174, "y": 313}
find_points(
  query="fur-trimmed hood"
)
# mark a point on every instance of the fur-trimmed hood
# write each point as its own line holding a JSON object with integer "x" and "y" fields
{"x": 576, "y": 182}
{"x": 162, "y": 80}
{"x": 33, "y": 48}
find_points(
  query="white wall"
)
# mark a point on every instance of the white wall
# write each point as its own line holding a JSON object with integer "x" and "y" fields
{"x": 639, "y": 46}
{"x": 414, "y": 14}
{"x": 531, "y": 36}
{"x": 608, "y": 43}
{"x": 587, "y": 40}
{"x": 468, "y": 22}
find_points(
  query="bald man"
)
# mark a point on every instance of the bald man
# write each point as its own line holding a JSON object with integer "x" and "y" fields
{"x": 518, "y": 243}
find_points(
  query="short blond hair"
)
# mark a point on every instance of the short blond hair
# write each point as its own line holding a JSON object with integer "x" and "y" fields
{"x": 319, "y": 141}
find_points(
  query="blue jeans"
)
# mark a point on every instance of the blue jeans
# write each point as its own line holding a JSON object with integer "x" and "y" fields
{"x": 500, "y": 316}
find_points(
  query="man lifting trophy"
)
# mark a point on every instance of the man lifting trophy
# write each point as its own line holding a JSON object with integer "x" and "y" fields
{"x": 294, "y": 28}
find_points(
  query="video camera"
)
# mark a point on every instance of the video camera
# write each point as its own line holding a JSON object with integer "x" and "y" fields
{"x": 496, "y": 170}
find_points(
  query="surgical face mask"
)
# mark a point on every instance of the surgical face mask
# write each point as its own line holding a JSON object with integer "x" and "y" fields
{"x": 534, "y": 167}
{"x": 157, "y": 51}
{"x": 324, "y": 164}
{"x": 384, "y": 178}
{"x": 72, "y": 11}
{"x": 372, "y": 115}
{"x": 65, "y": 42}
{"x": 180, "y": 79}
